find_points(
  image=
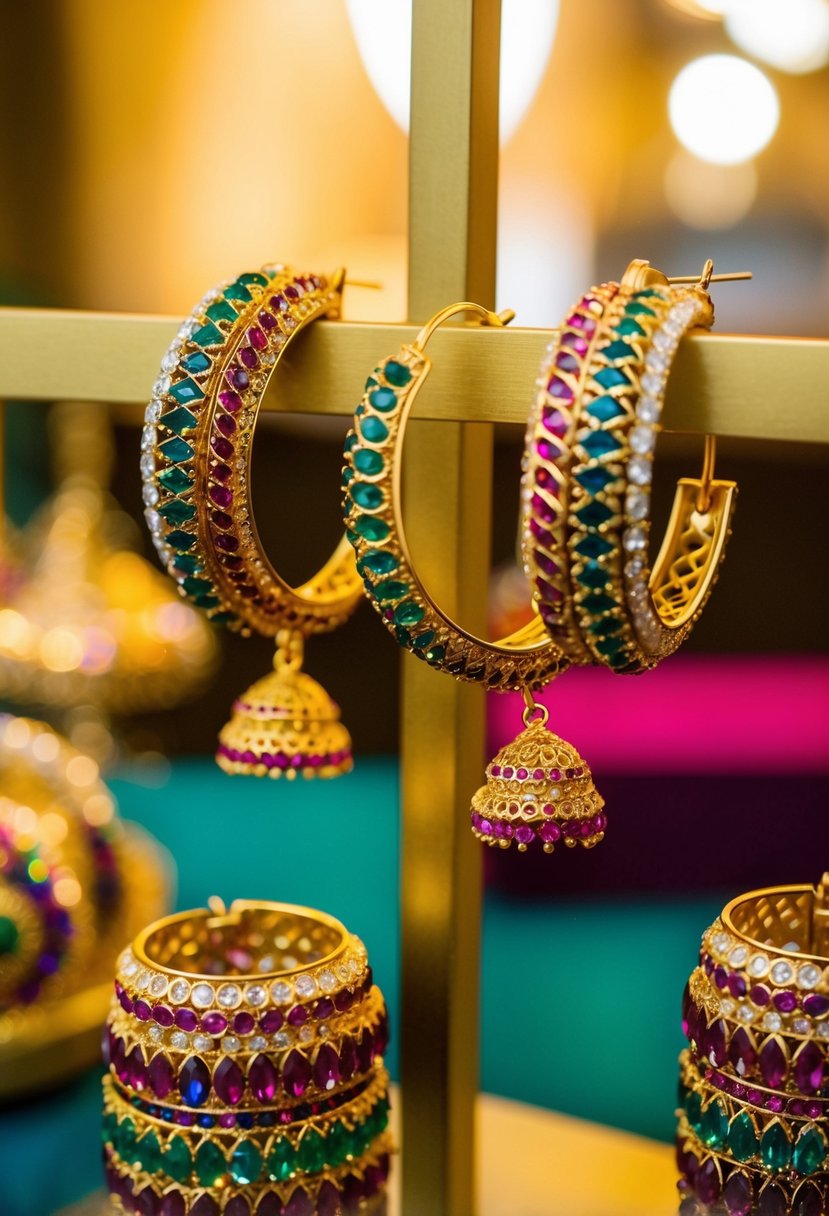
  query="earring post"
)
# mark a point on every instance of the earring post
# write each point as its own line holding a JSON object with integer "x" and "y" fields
{"x": 715, "y": 278}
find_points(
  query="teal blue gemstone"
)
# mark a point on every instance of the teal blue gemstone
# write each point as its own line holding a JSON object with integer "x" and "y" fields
{"x": 253, "y": 278}
{"x": 221, "y": 310}
{"x": 367, "y": 461}
{"x": 371, "y": 382}
{"x": 175, "y": 480}
{"x": 610, "y": 377}
{"x": 179, "y": 420}
{"x": 594, "y": 514}
{"x": 776, "y": 1148}
{"x": 196, "y": 586}
{"x": 594, "y": 480}
{"x": 366, "y": 495}
{"x": 383, "y": 399}
{"x": 604, "y": 627}
{"x": 350, "y": 441}
{"x": 609, "y": 645}
{"x": 397, "y": 373}
{"x": 593, "y": 546}
{"x": 371, "y": 528}
{"x": 222, "y": 618}
{"x": 628, "y": 328}
{"x": 617, "y": 350}
{"x": 348, "y": 477}
{"x": 237, "y": 291}
{"x": 184, "y": 391}
{"x": 809, "y": 1152}
{"x": 180, "y": 540}
{"x": 187, "y": 563}
{"x": 390, "y": 589}
{"x": 373, "y": 430}
{"x": 604, "y": 408}
{"x": 175, "y": 450}
{"x": 206, "y": 601}
{"x": 379, "y": 562}
{"x": 195, "y": 363}
{"x": 637, "y": 309}
{"x": 598, "y": 602}
{"x": 714, "y": 1123}
{"x": 207, "y": 335}
{"x": 409, "y": 613}
{"x": 742, "y": 1138}
{"x": 177, "y": 512}
{"x": 648, "y": 293}
{"x": 593, "y": 576}
{"x": 621, "y": 662}
{"x": 435, "y": 654}
{"x": 424, "y": 639}
{"x": 600, "y": 443}
{"x": 403, "y": 636}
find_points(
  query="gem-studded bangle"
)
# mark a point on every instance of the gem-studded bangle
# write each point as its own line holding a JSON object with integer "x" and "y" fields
{"x": 245, "y": 1066}
{"x": 610, "y": 392}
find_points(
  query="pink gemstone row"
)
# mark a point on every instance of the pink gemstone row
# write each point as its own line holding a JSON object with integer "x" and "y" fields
{"x": 279, "y": 760}
{"x": 535, "y": 774}
{"x": 549, "y": 832}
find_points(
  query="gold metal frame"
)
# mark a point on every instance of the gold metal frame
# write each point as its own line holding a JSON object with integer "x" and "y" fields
{"x": 735, "y": 386}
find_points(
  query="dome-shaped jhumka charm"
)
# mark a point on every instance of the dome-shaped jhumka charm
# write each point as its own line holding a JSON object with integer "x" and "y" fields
{"x": 538, "y": 793}
{"x": 285, "y": 725}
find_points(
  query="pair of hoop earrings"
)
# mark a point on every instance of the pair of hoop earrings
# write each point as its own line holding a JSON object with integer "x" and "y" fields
{"x": 585, "y": 524}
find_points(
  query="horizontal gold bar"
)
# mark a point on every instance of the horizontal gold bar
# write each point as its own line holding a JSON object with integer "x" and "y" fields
{"x": 746, "y": 387}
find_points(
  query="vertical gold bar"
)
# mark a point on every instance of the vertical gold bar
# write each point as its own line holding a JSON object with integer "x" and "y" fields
{"x": 453, "y": 171}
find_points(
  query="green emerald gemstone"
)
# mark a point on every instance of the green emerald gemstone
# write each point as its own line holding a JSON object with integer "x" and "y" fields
{"x": 648, "y": 293}
{"x": 175, "y": 450}
{"x": 347, "y": 478}
{"x": 809, "y": 1152}
{"x": 610, "y": 377}
{"x": 337, "y": 1145}
{"x": 693, "y": 1110}
{"x": 637, "y": 309}
{"x": 593, "y": 546}
{"x": 604, "y": 627}
{"x": 775, "y": 1148}
{"x": 245, "y": 1163}
{"x": 390, "y": 589}
{"x": 435, "y": 654}
{"x": 211, "y": 1166}
{"x": 628, "y": 328}
{"x": 9, "y": 935}
{"x": 594, "y": 480}
{"x": 600, "y": 443}
{"x": 311, "y": 1152}
{"x": 371, "y": 382}
{"x": 186, "y": 390}
{"x": 742, "y": 1138}
{"x": 253, "y": 278}
{"x": 593, "y": 514}
{"x": 187, "y": 563}
{"x": 282, "y": 1161}
{"x": 179, "y": 420}
{"x": 397, "y": 373}
{"x": 177, "y": 1161}
{"x": 125, "y": 1143}
{"x": 195, "y": 363}
{"x": 367, "y": 461}
{"x": 367, "y": 495}
{"x": 409, "y": 613}
{"x": 604, "y": 408}
{"x": 379, "y": 562}
{"x": 237, "y": 291}
{"x": 350, "y": 441}
{"x": 221, "y": 310}
{"x": 593, "y": 576}
{"x": 373, "y": 430}
{"x": 148, "y": 1152}
{"x": 109, "y": 1129}
{"x": 177, "y": 512}
{"x": 617, "y": 350}
{"x": 424, "y": 639}
{"x": 609, "y": 646}
{"x": 404, "y": 638}
{"x": 598, "y": 603}
{"x": 207, "y": 335}
{"x": 175, "y": 480}
{"x": 383, "y": 399}
{"x": 182, "y": 541}
{"x": 206, "y": 601}
{"x": 222, "y": 618}
{"x": 714, "y": 1125}
{"x": 371, "y": 528}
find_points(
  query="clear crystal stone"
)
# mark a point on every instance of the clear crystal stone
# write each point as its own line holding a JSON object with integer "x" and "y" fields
{"x": 662, "y": 341}
{"x": 202, "y": 996}
{"x": 656, "y": 361}
{"x": 158, "y": 984}
{"x": 640, "y": 470}
{"x": 258, "y": 1043}
{"x": 281, "y": 993}
{"x": 143, "y": 981}
{"x": 305, "y": 1034}
{"x": 637, "y": 504}
{"x": 155, "y": 1032}
{"x": 201, "y": 1042}
{"x": 153, "y": 519}
{"x": 738, "y": 956}
{"x": 343, "y": 972}
{"x": 772, "y": 1021}
{"x": 327, "y": 980}
{"x": 147, "y": 465}
{"x": 179, "y": 991}
{"x": 745, "y": 1013}
{"x": 651, "y": 383}
{"x": 229, "y": 996}
{"x": 801, "y": 1026}
{"x": 129, "y": 966}
{"x": 283, "y": 1038}
{"x": 634, "y": 567}
{"x": 267, "y": 962}
{"x": 642, "y": 440}
{"x": 150, "y": 494}
{"x": 721, "y": 942}
{"x": 179, "y": 1040}
{"x": 256, "y": 995}
{"x": 161, "y": 386}
{"x": 822, "y": 1030}
{"x": 782, "y": 972}
{"x": 808, "y": 976}
{"x": 634, "y": 538}
{"x": 323, "y": 1030}
{"x": 305, "y": 985}
{"x": 727, "y": 1006}
{"x": 648, "y": 409}
{"x": 231, "y": 1043}
{"x": 152, "y": 413}
{"x": 169, "y": 361}
{"x": 758, "y": 965}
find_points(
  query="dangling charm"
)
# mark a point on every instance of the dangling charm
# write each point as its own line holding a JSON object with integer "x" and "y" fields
{"x": 538, "y": 788}
{"x": 285, "y": 724}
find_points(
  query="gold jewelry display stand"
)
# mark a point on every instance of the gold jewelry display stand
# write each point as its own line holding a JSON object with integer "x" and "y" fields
{"x": 734, "y": 386}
